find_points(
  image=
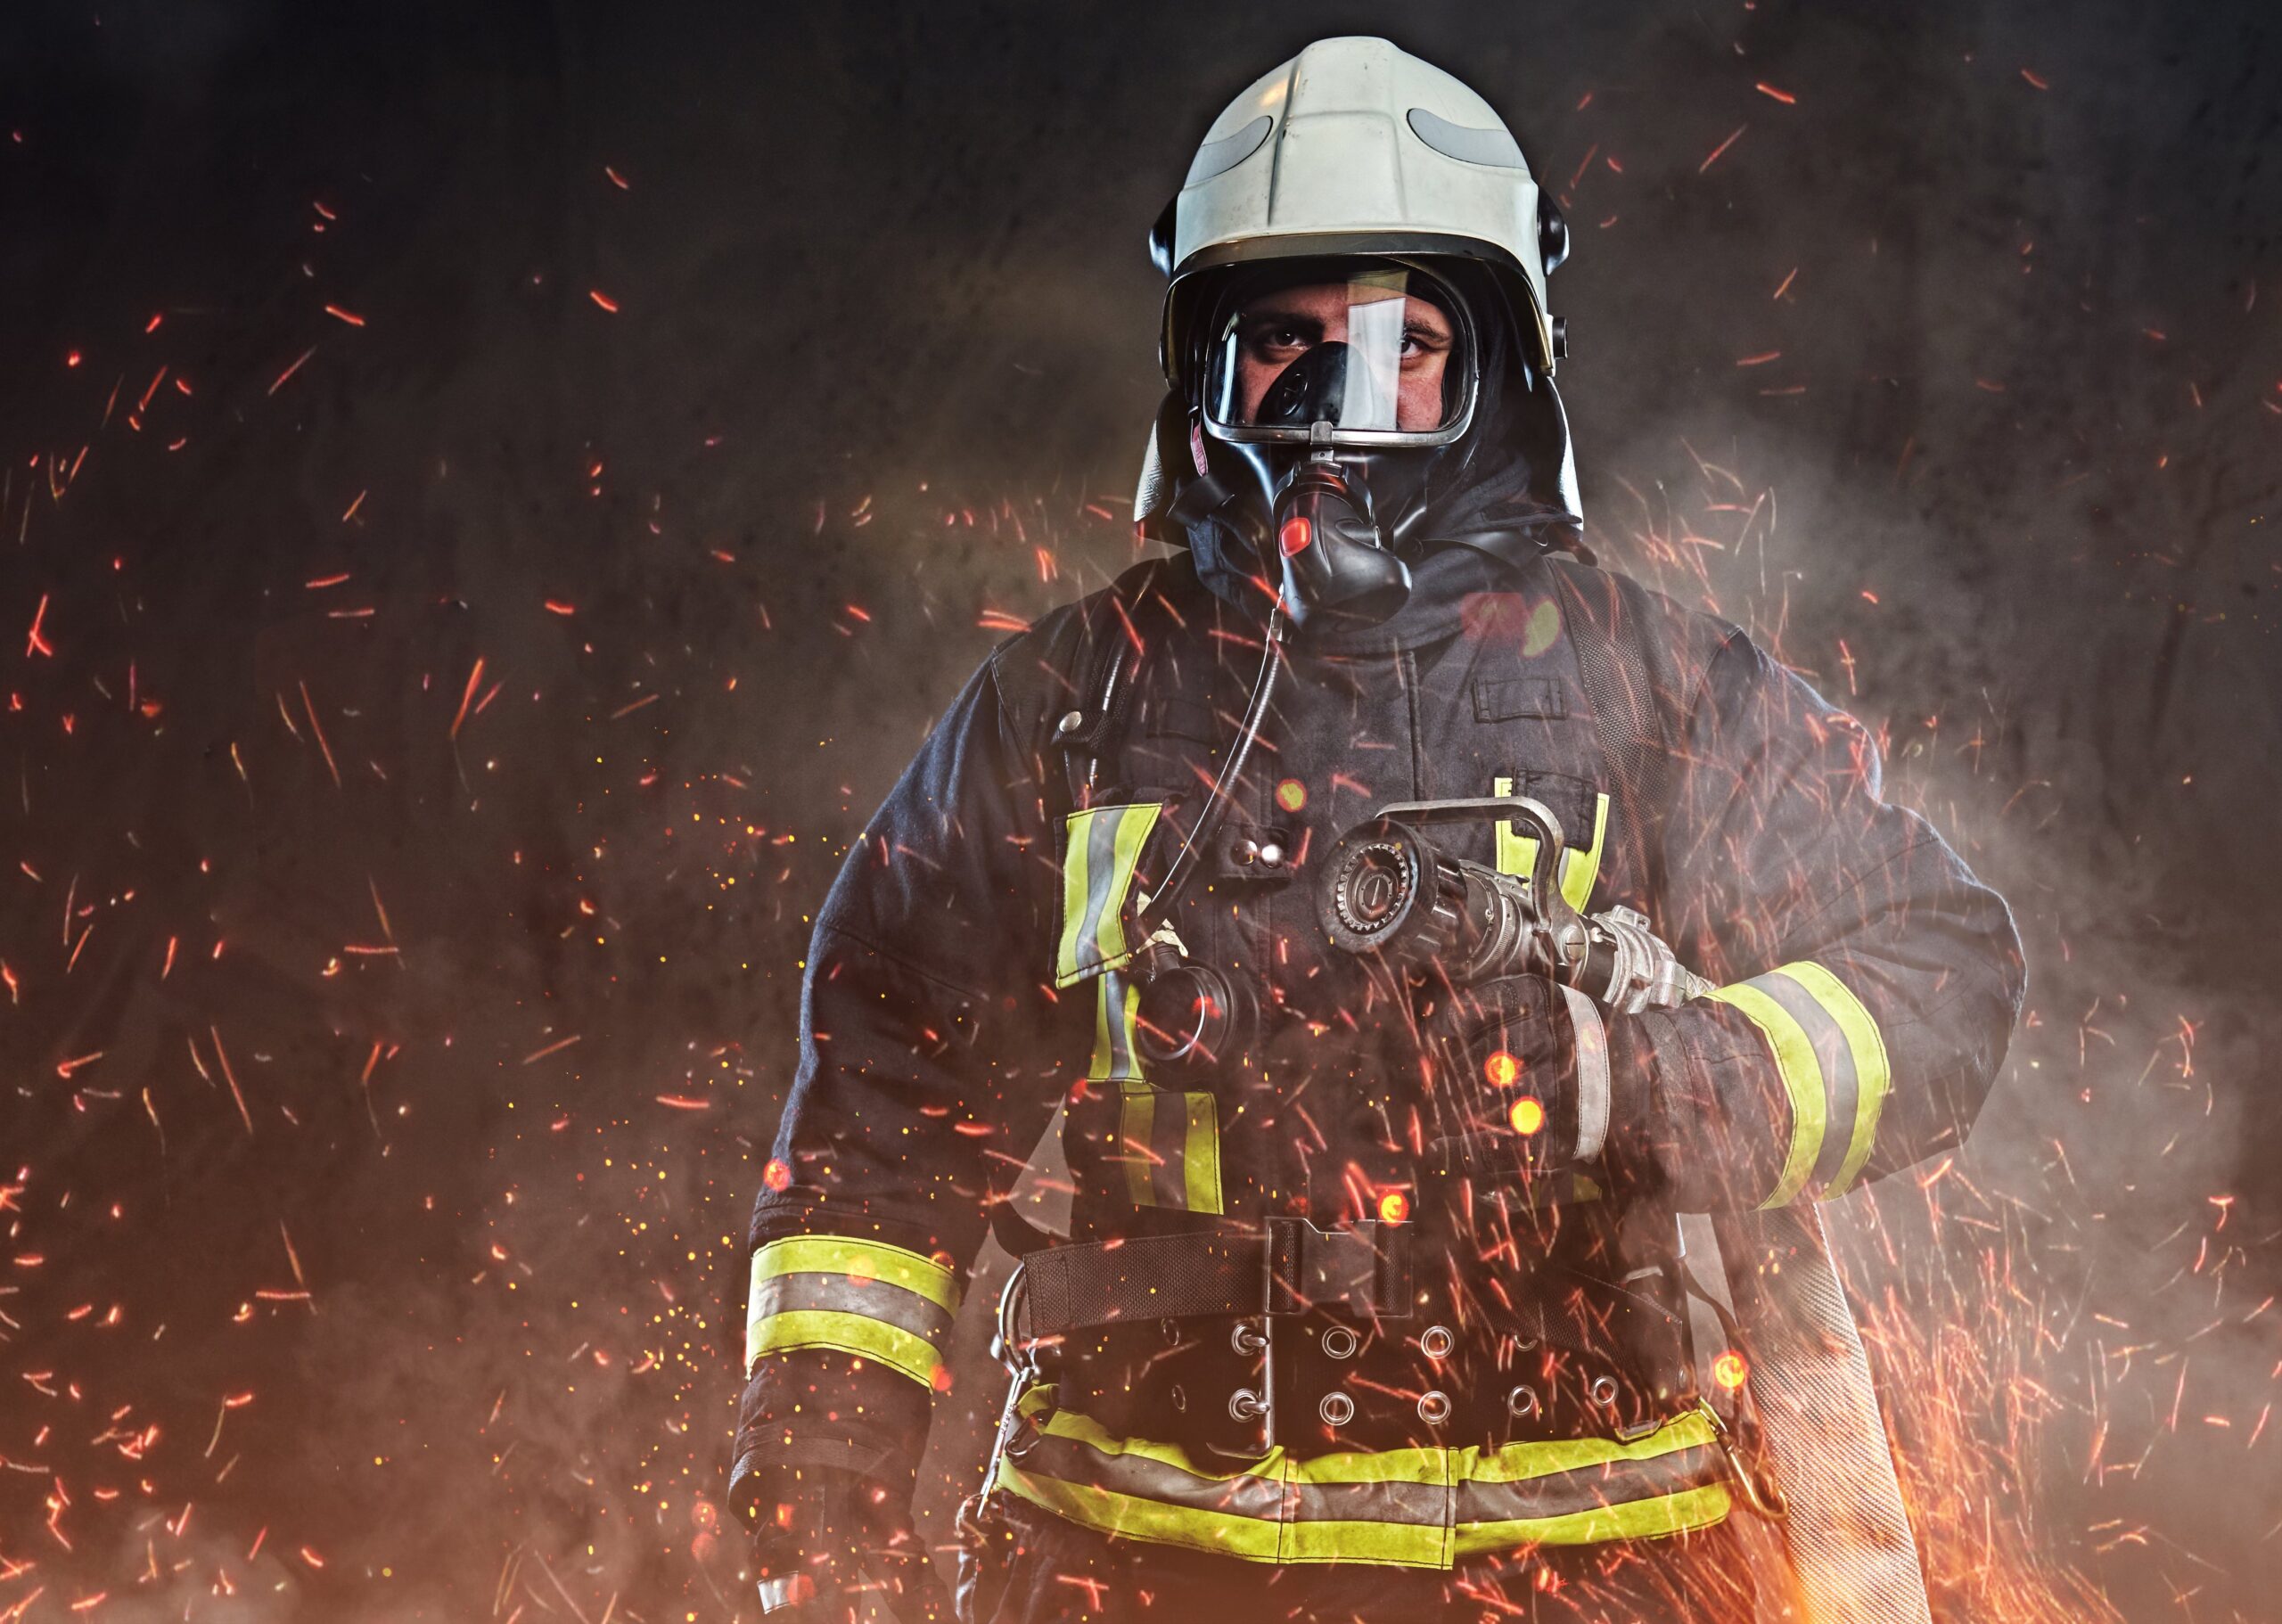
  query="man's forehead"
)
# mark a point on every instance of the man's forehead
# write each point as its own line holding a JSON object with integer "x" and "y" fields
{"x": 1363, "y": 289}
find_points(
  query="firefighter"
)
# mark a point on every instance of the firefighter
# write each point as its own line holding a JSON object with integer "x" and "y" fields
{"x": 1372, "y": 1303}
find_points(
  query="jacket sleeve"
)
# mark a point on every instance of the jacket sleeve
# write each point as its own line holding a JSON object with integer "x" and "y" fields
{"x": 928, "y": 1047}
{"x": 1868, "y": 982}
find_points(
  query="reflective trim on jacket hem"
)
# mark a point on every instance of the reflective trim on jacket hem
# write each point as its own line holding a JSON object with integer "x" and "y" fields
{"x": 1414, "y": 1507}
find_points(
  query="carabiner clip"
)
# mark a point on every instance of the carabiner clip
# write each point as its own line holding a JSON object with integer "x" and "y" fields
{"x": 1758, "y": 1491}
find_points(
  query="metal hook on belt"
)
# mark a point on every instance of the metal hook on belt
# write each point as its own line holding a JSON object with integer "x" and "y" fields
{"x": 1010, "y": 1347}
{"x": 1758, "y": 1490}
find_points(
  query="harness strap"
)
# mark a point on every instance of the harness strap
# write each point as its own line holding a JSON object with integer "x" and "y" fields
{"x": 1111, "y": 644}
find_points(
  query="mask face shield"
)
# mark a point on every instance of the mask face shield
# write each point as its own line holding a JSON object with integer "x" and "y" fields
{"x": 1381, "y": 350}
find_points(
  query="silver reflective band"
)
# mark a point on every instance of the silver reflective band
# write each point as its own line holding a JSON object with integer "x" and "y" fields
{"x": 786, "y": 1591}
{"x": 1592, "y": 1072}
{"x": 872, "y": 1299}
{"x": 1494, "y": 148}
{"x": 1219, "y": 157}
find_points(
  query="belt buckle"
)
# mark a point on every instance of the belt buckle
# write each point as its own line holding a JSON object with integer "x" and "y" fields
{"x": 1363, "y": 1268}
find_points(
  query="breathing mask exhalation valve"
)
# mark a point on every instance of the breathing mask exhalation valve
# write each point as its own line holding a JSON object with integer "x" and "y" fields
{"x": 1329, "y": 544}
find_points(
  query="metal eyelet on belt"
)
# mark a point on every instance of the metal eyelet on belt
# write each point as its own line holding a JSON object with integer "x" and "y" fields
{"x": 1339, "y": 1342}
{"x": 1248, "y": 1340}
{"x": 1245, "y": 1405}
{"x": 1434, "y": 1407}
{"x": 1169, "y": 1329}
{"x": 1521, "y": 1403}
{"x": 1603, "y": 1390}
{"x": 1436, "y": 1342}
{"x": 1337, "y": 1409}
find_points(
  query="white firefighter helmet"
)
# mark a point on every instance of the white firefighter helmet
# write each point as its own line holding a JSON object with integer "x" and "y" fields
{"x": 1357, "y": 146}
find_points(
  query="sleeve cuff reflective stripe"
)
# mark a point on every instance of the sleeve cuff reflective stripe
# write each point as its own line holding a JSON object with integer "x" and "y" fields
{"x": 860, "y": 1297}
{"x": 1833, "y": 1063}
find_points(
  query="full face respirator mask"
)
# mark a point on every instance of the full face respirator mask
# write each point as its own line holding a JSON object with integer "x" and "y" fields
{"x": 1338, "y": 384}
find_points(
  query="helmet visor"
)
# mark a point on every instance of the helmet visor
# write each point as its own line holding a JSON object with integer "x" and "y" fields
{"x": 1377, "y": 349}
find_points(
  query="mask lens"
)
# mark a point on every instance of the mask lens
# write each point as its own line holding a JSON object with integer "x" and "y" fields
{"x": 1372, "y": 347}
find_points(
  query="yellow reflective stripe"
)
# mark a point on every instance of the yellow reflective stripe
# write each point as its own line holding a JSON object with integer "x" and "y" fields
{"x": 1039, "y": 1403}
{"x": 1517, "y": 853}
{"x": 1131, "y": 1517}
{"x": 1579, "y": 869}
{"x": 1076, "y": 877}
{"x": 1117, "y": 1025}
{"x": 1137, "y": 1119}
{"x": 898, "y": 1350}
{"x": 1186, "y": 1180}
{"x": 1802, "y": 1073}
{"x": 1380, "y": 1544}
{"x": 1671, "y": 1513}
{"x": 1103, "y": 844}
{"x": 1388, "y": 1544}
{"x": 1292, "y": 1536}
{"x": 826, "y": 1254}
{"x": 1375, "y": 1466}
{"x": 842, "y": 1270}
{"x": 1519, "y": 1462}
{"x": 1200, "y": 1155}
{"x": 1133, "y": 826}
{"x": 1872, "y": 1069}
{"x": 1513, "y": 1464}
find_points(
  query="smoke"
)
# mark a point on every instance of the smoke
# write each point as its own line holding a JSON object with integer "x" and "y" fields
{"x": 574, "y": 456}
{"x": 2072, "y": 1320}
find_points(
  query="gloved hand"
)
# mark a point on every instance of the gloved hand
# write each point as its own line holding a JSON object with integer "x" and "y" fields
{"x": 830, "y": 1547}
{"x": 1520, "y": 1069}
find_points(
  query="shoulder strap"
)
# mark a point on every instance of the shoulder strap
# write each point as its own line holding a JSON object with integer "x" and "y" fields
{"x": 1067, "y": 689}
{"x": 1637, "y": 687}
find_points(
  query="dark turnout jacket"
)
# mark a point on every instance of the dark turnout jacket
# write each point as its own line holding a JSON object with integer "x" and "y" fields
{"x": 967, "y": 979}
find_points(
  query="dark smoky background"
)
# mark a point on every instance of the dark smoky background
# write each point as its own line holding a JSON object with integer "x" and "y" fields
{"x": 490, "y": 495}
